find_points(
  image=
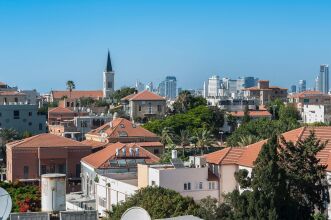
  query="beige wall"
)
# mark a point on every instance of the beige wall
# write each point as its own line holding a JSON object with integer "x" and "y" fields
{"x": 144, "y": 112}
{"x": 12, "y": 98}
{"x": 142, "y": 175}
{"x": 228, "y": 182}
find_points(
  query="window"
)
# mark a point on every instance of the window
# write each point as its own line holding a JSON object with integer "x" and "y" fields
{"x": 139, "y": 108}
{"x": 156, "y": 151}
{"x": 211, "y": 185}
{"x": 187, "y": 186}
{"x": 16, "y": 114}
{"x": 200, "y": 185}
{"x": 153, "y": 183}
{"x": 16, "y": 99}
{"x": 110, "y": 85}
{"x": 30, "y": 113}
{"x": 30, "y": 123}
{"x": 102, "y": 202}
{"x": 43, "y": 169}
{"x": 26, "y": 172}
{"x": 159, "y": 108}
{"x": 61, "y": 168}
{"x": 40, "y": 126}
{"x": 77, "y": 170}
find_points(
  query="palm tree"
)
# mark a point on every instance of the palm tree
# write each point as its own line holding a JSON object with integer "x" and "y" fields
{"x": 204, "y": 138}
{"x": 167, "y": 136}
{"x": 184, "y": 139}
{"x": 70, "y": 86}
{"x": 247, "y": 140}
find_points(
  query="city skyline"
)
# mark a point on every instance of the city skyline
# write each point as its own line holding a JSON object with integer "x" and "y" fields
{"x": 53, "y": 43}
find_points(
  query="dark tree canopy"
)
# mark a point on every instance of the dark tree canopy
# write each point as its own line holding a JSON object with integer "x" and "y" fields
{"x": 121, "y": 93}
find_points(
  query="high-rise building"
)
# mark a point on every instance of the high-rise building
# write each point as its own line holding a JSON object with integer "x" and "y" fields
{"x": 293, "y": 89}
{"x": 302, "y": 85}
{"x": 250, "y": 81}
{"x": 170, "y": 87}
{"x": 214, "y": 84}
{"x": 161, "y": 89}
{"x": 323, "y": 79}
{"x": 140, "y": 86}
{"x": 149, "y": 86}
{"x": 108, "y": 78}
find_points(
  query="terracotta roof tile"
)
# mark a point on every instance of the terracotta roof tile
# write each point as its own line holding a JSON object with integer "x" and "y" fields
{"x": 309, "y": 94}
{"x": 144, "y": 96}
{"x": 229, "y": 155}
{"x": 76, "y": 94}
{"x": 60, "y": 110}
{"x": 101, "y": 158}
{"x": 252, "y": 113}
{"x": 94, "y": 144}
{"x": 122, "y": 126}
{"x": 12, "y": 93}
{"x": 46, "y": 140}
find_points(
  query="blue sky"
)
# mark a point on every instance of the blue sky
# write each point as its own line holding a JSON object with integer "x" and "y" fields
{"x": 45, "y": 43}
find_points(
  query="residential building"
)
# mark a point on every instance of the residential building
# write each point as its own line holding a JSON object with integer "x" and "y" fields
{"x": 61, "y": 114}
{"x": 9, "y": 96}
{"x": 323, "y": 79}
{"x": 224, "y": 163}
{"x": 124, "y": 131}
{"x": 114, "y": 158}
{"x": 308, "y": 98}
{"x": 32, "y": 96}
{"x": 302, "y": 85}
{"x": 75, "y": 94}
{"x": 29, "y": 158}
{"x": 6, "y": 87}
{"x": 144, "y": 105}
{"x": 265, "y": 93}
{"x": 22, "y": 117}
{"x": 108, "y": 79}
{"x": 317, "y": 113}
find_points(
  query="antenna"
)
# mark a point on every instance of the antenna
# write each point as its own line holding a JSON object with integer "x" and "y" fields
{"x": 136, "y": 213}
{"x": 5, "y": 204}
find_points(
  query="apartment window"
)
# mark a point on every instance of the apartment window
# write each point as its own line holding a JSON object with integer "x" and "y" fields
{"x": 40, "y": 126}
{"x": 61, "y": 168}
{"x": 5, "y": 100}
{"x": 30, "y": 123}
{"x": 43, "y": 169}
{"x": 26, "y": 172}
{"x": 156, "y": 151}
{"x": 150, "y": 108}
{"x": 200, "y": 185}
{"x": 16, "y": 114}
{"x": 211, "y": 185}
{"x": 30, "y": 113}
{"x": 187, "y": 186}
{"x": 159, "y": 108}
{"x": 77, "y": 170}
{"x": 16, "y": 99}
{"x": 139, "y": 108}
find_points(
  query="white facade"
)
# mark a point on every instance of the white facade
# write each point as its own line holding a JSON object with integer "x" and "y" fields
{"x": 112, "y": 189}
{"x": 316, "y": 113}
{"x": 108, "y": 83}
{"x": 214, "y": 84}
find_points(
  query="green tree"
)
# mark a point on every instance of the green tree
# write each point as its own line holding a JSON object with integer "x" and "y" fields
{"x": 186, "y": 101}
{"x": 306, "y": 177}
{"x": 158, "y": 202}
{"x": 70, "y": 86}
{"x": 247, "y": 140}
{"x": 184, "y": 139}
{"x": 204, "y": 138}
{"x": 7, "y": 135}
{"x": 121, "y": 93}
{"x": 246, "y": 117}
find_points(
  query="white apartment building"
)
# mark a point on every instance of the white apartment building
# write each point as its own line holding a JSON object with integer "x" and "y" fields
{"x": 316, "y": 113}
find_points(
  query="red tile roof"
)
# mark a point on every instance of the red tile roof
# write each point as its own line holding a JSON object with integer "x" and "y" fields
{"x": 309, "y": 94}
{"x": 122, "y": 126}
{"x": 229, "y": 155}
{"x": 144, "y": 96}
{"x": 94, "y": 144}
{"x": 60, "y": 110}
{"x": 252, "y": 114}
{"x": 150, "y": 144}
{"x": 46, "y": 140}
{"x": 101, "y": 158}
{"x": 12, "y": 93}
{"x": 76, "y": 94}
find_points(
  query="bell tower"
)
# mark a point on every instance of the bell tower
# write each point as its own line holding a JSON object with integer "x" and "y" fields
{"x": 108, "y": 79}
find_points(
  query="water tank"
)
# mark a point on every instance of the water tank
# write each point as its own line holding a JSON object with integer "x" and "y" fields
{"x": 53, "y": 192}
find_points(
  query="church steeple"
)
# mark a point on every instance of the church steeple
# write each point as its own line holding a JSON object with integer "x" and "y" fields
{"x": 108, "y": 68}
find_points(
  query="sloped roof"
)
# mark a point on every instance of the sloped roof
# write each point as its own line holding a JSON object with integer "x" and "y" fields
{"x": 76, "y": 94}
{"x": 46, "y": 140}
{"x": 94, "y": 144}
{"x": 144, "y": 96}
{"x": 122, "y": 125}
{"x": 13, "y": 93}
{"x": 101, "y": 158}
{"x": 60, "y": 110}
{"x": 252, "y": 113}
{"x": 229, "y": 155}
{"x": 308, "y": 94}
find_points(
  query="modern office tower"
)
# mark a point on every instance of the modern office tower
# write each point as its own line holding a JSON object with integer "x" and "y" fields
{"x": 205, "y": 90}
{"x": 316, "y": 87}
{"x": 170, "y": 86}
{"x": 214, "y": 84}
{"x": 149, "y": 86}
{"x": 293, "y": 89}
{"x": 250, "y": 82}
{"x": 323, "y": 79}
{"x": 302, "y": 85}
{"x": 140, "y": 86}
{"x": 161, "y": 89}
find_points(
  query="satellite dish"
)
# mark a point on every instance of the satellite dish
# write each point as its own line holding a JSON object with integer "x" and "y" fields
{"x": 135, "y": 213}
{"x": 5, "y": 204}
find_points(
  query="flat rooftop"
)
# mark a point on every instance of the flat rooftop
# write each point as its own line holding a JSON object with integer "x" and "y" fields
{"x": 128, "y": 178}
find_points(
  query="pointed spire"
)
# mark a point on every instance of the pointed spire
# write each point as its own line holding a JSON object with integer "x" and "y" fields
{"x": 108, "y": 68}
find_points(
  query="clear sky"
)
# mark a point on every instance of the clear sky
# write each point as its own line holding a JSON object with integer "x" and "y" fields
{"x": 45, "y": 43}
